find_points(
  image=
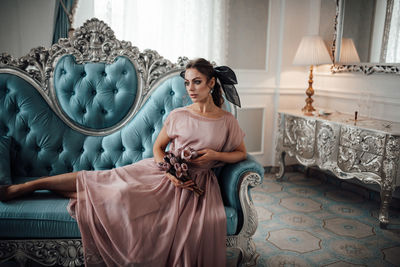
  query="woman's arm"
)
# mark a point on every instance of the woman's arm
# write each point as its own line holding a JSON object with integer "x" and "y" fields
{"x": 206, "y": 155}
{"x": 159, "y": 152}
{"x": 160, "y": 145}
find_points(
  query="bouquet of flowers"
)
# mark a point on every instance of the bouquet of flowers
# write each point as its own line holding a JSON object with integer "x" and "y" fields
{"x": 178, "y": 166}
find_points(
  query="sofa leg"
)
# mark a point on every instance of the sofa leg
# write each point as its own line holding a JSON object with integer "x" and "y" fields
{"x": 21, "y": 259}
{"x": 249, "y": 254}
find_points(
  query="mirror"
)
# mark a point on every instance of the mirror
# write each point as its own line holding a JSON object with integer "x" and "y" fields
{"x": 367, "y": 36}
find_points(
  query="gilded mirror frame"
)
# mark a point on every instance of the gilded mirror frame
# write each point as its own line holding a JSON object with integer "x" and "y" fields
{"x": 366, "y": 68}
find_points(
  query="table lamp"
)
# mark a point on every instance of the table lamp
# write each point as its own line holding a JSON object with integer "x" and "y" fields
{"x": 312, "y": 51}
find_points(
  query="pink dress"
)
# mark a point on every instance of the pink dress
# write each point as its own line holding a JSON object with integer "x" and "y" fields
{"x": 134, "y": 216}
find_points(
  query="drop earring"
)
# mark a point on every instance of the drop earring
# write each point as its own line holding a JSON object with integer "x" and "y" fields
{"x": 185, "y": 100}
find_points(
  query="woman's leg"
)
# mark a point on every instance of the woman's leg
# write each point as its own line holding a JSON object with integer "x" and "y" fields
{"x": 65, "y": 184}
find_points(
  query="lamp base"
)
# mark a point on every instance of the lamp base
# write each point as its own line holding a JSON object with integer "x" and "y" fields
{"x": 308, "y": 108}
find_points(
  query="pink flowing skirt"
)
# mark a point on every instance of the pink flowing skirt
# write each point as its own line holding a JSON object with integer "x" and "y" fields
{"x": 134, "y": 216}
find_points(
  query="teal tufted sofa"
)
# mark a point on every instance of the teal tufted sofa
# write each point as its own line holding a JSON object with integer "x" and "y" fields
{"x": 92, "y": 102}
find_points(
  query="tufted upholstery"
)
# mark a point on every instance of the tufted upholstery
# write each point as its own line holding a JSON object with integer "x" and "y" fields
{"x": 37, "y": 151}
{"x": 95, "y": 95}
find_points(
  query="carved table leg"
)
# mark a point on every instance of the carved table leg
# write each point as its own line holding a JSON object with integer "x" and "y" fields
{"x": 386, "y": 198}
{"x": 281, "y": 162}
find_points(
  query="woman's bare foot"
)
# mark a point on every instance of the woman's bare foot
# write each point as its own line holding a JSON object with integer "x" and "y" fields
{"x": 3, "y": 192}
{"x": 8, "y": 192}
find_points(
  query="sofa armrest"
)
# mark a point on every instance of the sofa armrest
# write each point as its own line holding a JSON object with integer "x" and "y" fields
{"x": 232, "y": 176}
{"x": 235, "y": 181}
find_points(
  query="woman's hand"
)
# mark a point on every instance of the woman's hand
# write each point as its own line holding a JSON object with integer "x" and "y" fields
{"x": 186, "y": 185}
{"x": 205, "y": 156}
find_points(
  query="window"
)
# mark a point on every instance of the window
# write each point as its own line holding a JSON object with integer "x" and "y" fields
{"x": 173, "y": 28}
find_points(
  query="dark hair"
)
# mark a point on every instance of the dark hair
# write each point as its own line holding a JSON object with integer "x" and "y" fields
{"x": 206, "y": 68}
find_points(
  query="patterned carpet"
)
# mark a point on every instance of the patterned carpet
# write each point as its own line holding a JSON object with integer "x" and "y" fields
{"x": 310, "y": 221}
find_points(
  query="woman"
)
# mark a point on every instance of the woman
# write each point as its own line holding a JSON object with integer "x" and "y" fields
{"x": 139, "y": 215}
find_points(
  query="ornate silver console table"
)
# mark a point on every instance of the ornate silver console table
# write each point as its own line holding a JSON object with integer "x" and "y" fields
{"x": 366, "y": 149}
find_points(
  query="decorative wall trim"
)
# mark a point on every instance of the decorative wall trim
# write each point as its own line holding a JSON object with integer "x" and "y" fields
{"x": 261, "y": 151}
{"x": 256, "y": 90}
{"x": 341, "y": 93}
{"x": 293, "y": 91}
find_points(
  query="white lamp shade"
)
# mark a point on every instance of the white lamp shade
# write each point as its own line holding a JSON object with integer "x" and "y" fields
{"x": 348, "y": 52}
{"x": 312, "y": 51}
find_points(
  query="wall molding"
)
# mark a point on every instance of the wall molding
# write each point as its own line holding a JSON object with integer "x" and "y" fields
{"x": 292, "y": 91}
{"x": 264, "y": 111}
{"x": 256, "y": 90}
{"x": 357, "y": 95}
{"x": 340, "y": 93}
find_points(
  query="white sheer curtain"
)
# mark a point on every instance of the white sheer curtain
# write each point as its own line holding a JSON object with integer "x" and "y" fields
{"x": 393, "y": 43}
{"x": 192, "y": 28}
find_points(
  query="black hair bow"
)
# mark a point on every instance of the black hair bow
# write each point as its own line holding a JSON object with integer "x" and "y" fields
{"x": 227, "y": 78}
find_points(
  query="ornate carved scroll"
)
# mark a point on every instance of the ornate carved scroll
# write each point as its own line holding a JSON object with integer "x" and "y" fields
{"x": 93, "y": 42}
{"x": 45, "y": 252}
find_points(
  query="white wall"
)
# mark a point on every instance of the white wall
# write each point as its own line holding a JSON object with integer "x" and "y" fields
{"x": 247, "y": 34}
